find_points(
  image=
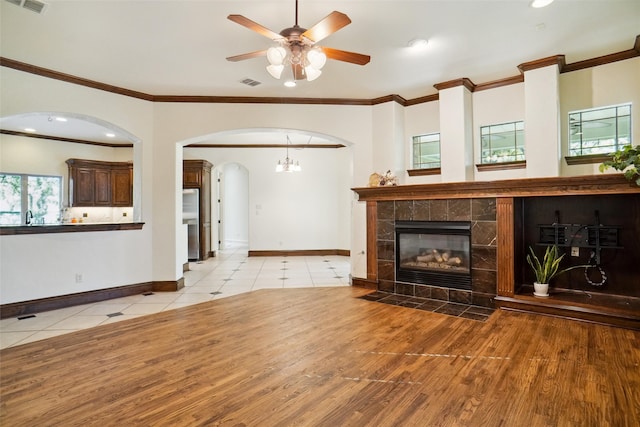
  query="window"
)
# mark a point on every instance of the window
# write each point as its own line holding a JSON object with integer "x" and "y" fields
{"x": 19, "y": 194}
{"x": 426, "y": 151}
{"x": 599, "y": 130}
{"x": 502, "y": 143}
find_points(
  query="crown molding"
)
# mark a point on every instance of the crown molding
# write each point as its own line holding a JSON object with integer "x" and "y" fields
{"x": 499, "y": 83}
{"x": 264, "y": 146}
{"x": 605, "y": 59}
{"x": 527, "y": 66}
{"x": 423, "y": 99}
{"x": 57, "y": 138}
{"x": 203, "y": 99}
{"x": 56, "y": 75}
{"x": 541, "y": 63}
{"x": 455, "y": 83}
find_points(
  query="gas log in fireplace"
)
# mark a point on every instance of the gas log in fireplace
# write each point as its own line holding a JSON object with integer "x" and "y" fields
{"x": 436, "y": 253}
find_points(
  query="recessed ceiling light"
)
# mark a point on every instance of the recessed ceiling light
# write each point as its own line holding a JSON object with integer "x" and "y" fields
{"x": 290, "y": 83}
{"x": 541, "y": 3}
{"x": 418, "y": 43}
{"x": 31, "y": 130}
{"x": 61, "y": 119}
{"x": 110, "y": 135}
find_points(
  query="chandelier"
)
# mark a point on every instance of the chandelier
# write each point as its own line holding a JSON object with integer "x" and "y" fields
{"x": 301, "y": 56}
{"x": 288, "y": 165}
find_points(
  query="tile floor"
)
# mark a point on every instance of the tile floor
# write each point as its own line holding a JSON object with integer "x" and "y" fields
{"x": 231, "y": 272}
{"x": 472, "y": 312}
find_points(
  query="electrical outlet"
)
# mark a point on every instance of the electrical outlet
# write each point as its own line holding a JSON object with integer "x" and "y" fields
{"x": 78, "y": 277}
{"x": 124, "y": 214}
{"x": 85, "y": 215}
{"x": 575, "y": 251}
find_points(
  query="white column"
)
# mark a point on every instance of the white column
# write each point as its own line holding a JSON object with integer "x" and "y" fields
{"x": 456, "y": 133}
{"x": 167, "y": 211}
{"x": 542, "y": 121}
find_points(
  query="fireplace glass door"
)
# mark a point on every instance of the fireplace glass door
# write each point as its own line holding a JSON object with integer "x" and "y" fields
{"x": 434, "y": 253}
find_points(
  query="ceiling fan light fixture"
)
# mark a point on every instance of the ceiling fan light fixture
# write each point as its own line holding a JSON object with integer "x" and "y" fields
{"x": 275, "y": 70}
{"x": 312, "y": 73}
{"x": 316, "y": 58}
{"x": 276, "y": 55}
{"x": 296, "y": 46}
{"x": 540, "y": 3}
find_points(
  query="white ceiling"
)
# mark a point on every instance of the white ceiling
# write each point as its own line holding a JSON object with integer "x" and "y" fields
{"x": 165, "y": 47}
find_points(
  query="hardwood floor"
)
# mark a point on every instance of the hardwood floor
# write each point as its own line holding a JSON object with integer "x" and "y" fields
{"x": 322, "y": 357}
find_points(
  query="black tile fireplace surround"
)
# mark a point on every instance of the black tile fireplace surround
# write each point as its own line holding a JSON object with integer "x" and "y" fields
{"x": 476, "y": 217}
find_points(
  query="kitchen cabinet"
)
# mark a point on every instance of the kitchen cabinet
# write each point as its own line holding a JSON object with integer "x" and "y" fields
{"x": 122, "y": 184}
{"x": 98, "y": 183}
{"x": 196, "y": 174}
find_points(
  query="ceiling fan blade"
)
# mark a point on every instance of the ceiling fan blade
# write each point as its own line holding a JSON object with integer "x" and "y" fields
{"x": 298, "y": 72}
{"x": 249, "y": 55}
{"x": 254, "y": 26}
{"x": 343, "y": 55}
{"x": 327, "y": 26}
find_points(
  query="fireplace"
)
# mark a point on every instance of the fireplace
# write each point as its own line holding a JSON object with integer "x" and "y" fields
{"x": 436, "y": 253}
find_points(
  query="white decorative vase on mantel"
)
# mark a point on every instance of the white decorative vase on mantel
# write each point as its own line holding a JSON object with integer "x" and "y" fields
{"x": 540, "y": 289}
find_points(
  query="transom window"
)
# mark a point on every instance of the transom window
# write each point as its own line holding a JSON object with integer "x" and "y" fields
{"x": 35, "y": 199}
{"x": 426, "y": 151}
{"x": 502, "y": 143}
{"x": 599, "y": 130}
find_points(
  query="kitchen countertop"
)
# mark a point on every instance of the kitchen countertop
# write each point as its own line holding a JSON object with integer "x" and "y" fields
{"x": 68, "y": 228}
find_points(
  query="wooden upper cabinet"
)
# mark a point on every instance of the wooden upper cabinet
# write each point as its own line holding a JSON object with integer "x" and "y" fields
{"x": 102, "y": 187}
{"x": 191, "y": 175}
{"x": 122, "y": 186}
{"x": 81, "y": 184}
{"x": 97, "y": 183}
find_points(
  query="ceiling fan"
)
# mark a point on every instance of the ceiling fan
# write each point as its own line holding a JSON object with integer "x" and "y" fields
{"x": 297, "y": 46}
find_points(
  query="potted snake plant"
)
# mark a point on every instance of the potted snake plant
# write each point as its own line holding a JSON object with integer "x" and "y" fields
{"x": 546, "y": 269}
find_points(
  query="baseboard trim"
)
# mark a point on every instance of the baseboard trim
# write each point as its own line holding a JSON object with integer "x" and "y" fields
{"x": 301, "y": 252}
{"x": 364, "y": 283}
{"x": 185, "y": 267}
{"x": 62, "y": 301}
{"x": 168, "y": 286}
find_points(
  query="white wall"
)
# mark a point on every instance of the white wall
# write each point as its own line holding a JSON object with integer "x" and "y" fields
{"x": 287, "y": 211}
{"x": 45, "y": 265}
{"x": 501, "y": 105}
{"x": 420, "y": 119}
{"x": 609, "y": 84}
{"x": 178, "y": 124}
{"x": 154, "y": 254}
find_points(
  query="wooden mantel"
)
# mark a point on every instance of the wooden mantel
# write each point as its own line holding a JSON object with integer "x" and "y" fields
{"x": 526, "y": 187}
